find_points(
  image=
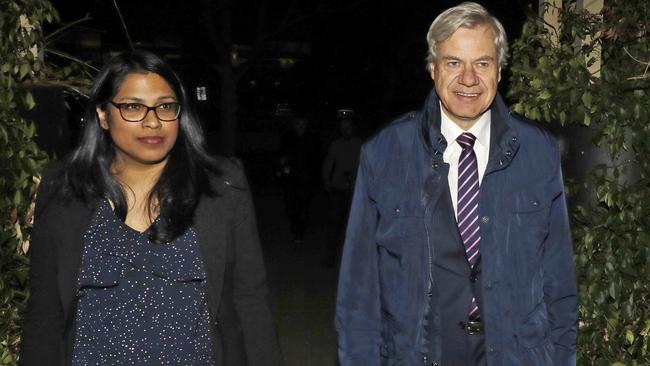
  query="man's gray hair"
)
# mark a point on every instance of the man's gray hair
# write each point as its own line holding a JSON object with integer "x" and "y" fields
{"x": 466, "y": 15}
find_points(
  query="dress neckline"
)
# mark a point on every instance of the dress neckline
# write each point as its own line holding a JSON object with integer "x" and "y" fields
{"x": 109, "y": 206}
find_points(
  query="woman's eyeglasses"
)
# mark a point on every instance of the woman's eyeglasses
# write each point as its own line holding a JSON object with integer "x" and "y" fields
{"x": 136, "y": 112}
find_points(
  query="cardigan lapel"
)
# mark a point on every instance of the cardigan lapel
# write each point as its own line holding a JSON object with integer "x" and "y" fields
{"x": 70, "y": 232}
{"x": 211, "y": 232}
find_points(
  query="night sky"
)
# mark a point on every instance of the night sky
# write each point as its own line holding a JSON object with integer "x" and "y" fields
{"x": 368, "y": 56}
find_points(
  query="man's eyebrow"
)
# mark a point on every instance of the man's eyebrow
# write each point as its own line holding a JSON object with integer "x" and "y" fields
{"x": 482, "y": 58}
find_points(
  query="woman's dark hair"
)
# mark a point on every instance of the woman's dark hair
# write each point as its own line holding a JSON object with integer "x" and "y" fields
{"x": 183, "y": 179}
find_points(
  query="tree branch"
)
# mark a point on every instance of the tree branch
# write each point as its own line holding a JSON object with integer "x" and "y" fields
{"x": 646, "y": 63}
{"x": 50, "y": 36}
{"x": 126, "y": 30}
{"x": 72, "y": 58}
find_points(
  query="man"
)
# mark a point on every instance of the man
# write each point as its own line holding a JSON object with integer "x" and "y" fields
{"x": 458, "y": 249}
{"x": 299, "y": 164}
{"x": 339, "y": 170}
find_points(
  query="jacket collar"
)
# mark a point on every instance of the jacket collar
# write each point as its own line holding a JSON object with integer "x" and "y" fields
{"x": 504, "y": 142}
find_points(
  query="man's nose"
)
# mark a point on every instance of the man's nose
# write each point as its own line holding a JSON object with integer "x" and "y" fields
{"x": 468, "y": 76}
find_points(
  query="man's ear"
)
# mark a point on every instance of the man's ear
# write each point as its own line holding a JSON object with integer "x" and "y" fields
{"x": 432, "y": 68}
{"x": 101, "y": 114}
{"x": 499, "y": 75}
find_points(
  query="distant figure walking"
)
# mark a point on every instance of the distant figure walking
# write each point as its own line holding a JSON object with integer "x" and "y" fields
{"x": 299, "y": 157}
{"x": 339, "y": 173}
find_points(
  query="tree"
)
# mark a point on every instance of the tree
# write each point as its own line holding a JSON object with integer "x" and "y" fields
{"x": 256, "y": 23}
{"x": 22, "y": 65}
{"x": 552, "y": 82}
{"x": 21, "y": 24}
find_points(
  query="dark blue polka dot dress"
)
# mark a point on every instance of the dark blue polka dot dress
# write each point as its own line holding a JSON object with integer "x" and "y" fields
{"x": 140, "y": 303}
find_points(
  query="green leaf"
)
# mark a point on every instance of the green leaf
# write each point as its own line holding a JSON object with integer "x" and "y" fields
{"x": 586, "y": 99}
{"x": 545, "y": 95}
{"x": 629, "y": 336}
{"x": 24, "y": 70}
{"x": 29, "y": 101}
{"x": 18, "y": 197}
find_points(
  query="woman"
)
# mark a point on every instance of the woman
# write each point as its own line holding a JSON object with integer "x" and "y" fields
{"x": 145, "y": 248}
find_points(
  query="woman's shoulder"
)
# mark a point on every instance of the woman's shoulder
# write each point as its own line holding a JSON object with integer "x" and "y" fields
{"x": 52, "y": 187}
{"x": 229, "y": 174}
{"x": 51, "y": 179}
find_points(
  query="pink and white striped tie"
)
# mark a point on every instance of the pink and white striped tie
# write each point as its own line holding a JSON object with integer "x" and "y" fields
{"x": 468, "y": 200}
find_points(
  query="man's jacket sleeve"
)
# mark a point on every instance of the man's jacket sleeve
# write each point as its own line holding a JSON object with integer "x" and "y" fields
{"x": 358, "y": 319}
{"x": 560, "y": 289}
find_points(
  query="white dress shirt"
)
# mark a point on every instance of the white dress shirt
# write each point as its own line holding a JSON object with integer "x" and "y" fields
{"x": 451, "y": 131}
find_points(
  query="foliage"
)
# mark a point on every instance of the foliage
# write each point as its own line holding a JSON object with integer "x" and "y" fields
{"x": 551, "y": 81}
{"x": 21, "y": 24}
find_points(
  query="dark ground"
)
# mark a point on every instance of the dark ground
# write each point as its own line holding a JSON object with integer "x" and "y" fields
{"x": 302, "y": 290}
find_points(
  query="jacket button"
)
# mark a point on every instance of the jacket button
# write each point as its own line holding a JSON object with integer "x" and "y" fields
{"x": 485, "y": 219}
{"x": 514, "y": 139}
{"x": 425, "y": 360}
{"x": 508, "y": 153}
{"x": 473, "y": 278}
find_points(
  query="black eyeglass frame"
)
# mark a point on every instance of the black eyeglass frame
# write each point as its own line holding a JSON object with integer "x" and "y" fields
{"x": 154, "y": 109}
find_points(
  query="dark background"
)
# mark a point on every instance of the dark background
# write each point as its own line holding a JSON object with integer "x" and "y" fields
{"x": 364, "y": 55}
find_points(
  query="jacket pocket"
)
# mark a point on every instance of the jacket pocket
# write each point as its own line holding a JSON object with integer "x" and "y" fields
{"x": 392, "y": 276}
{"x": 532, "y": 199}
{"x": 534, "y": 329}
{"x": 397, "y": 238}
{"x": 529, "y": 220}
{"x": 535, "y": 346}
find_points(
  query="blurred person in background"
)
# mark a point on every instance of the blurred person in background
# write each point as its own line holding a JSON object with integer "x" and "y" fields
{"x": 339, "y": 173}
{"x": 299, "y": 163}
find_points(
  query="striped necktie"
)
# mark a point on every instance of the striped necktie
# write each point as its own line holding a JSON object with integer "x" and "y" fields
{"x": 468, "y": 200}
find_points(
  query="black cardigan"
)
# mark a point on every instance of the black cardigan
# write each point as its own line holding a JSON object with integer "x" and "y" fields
{"x": 243, "y": 331}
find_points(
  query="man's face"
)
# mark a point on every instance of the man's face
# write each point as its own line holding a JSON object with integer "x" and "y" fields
{"x": 346, "y": 128}
{"x": 299, "y": 127}
{"x": 466, "y": 74}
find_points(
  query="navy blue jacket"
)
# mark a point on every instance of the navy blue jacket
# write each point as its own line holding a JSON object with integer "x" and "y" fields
{"x": 529, "y": 288}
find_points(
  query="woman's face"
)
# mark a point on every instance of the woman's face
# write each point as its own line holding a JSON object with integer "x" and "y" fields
{"x": 149, "y": 141}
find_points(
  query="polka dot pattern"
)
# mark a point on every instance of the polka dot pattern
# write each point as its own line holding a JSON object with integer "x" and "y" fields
{"x": 140, "y": 303}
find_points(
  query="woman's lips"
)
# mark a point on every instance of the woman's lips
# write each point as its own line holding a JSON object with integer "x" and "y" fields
{"x": 151, "y": 140}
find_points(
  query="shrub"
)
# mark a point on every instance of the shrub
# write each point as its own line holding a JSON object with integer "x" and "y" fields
{"x": 551, "y": 82}
{"x": 21, "y": 28}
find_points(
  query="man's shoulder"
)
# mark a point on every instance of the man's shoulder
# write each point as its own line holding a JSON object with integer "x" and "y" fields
{"x": 532, "y": 132}
{"x": 399, "y": 130}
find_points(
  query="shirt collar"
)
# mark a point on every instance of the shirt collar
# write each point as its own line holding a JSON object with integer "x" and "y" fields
{"x": 480, "y": 130}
